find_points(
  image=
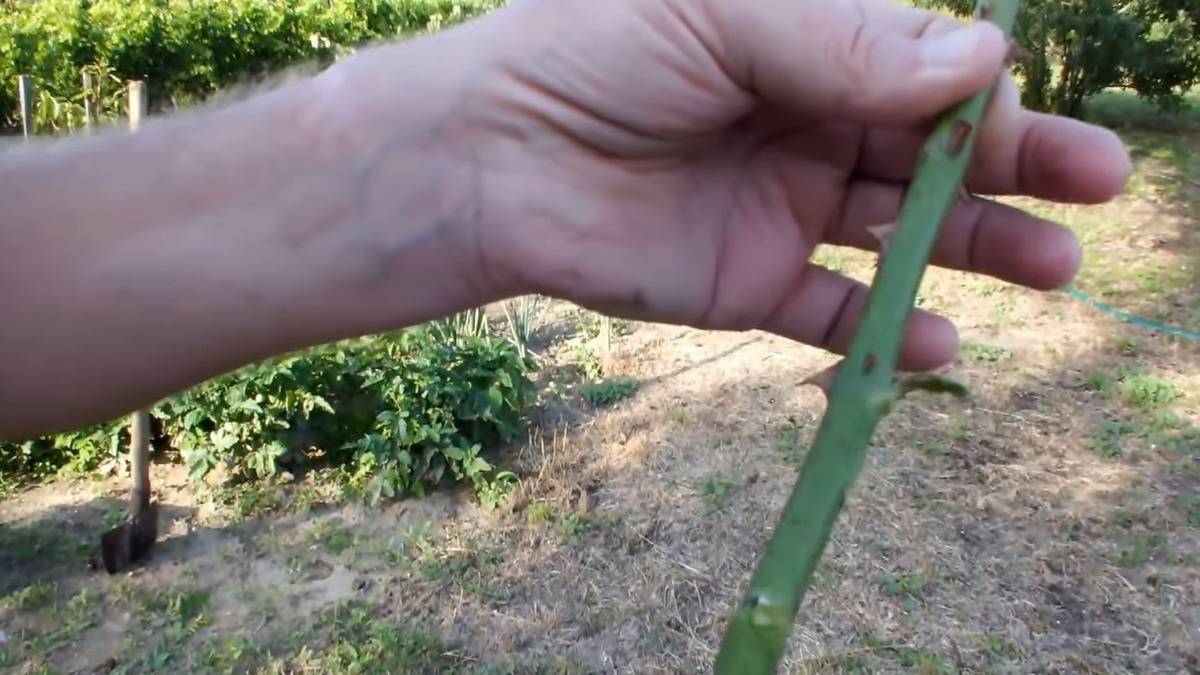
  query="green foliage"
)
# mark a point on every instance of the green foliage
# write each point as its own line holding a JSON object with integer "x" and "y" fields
{"x": 716, "y": 493}
{"x": 460, "y": 328}
{"x": 1190, "y": 507}
{"x": 401, "y": 411}
{"x": 610, "y": 391}
{"x": 1081, "y": 47}
{"x": 522, "y": 316}
{"x": 1145, "y": 392}
{"x": 904, "y": 585}
{"x": 1106, "y": 440}
{"x": 361, "y": 642}
{"x": 187, "y": 51}
{"x": 75, "y": 452}
{"x": 979, "y": 351}
{"x": 587, "y": 363}
{"x": 1141, "y": 548}
{"x": 34, "y": 596}
{"x": 789, "y": 443}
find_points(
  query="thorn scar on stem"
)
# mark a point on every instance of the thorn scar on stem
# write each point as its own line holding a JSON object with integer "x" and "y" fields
{"x": 959, "y": 134}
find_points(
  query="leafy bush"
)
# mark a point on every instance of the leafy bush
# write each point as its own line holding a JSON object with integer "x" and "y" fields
{"x": 80, "y": 451}
{"x": 397, "y": 412}
{"x": 607, "y": 392}
{"x": 400, "y": 411}
{"x": 1082, "y": 47}
{"x": 188, "y": 50}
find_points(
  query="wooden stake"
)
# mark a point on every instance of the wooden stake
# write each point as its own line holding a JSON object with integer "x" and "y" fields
{"x": 25, "y": 92}
{"x": 89, "y": 101}
{"x": 138, "y": 104}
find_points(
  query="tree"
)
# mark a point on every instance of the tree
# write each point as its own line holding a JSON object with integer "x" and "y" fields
{"x": 1080, "y": 47}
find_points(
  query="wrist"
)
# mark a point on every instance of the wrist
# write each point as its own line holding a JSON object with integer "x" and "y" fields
{"x": 411, "y": 244}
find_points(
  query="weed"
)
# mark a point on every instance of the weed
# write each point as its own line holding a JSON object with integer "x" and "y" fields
{"x": 1188, "y": 468}
{"x": 978, "y": 351}
{"x": 495, "y": 493}
{"x": 609, "y": 391}
{"x": 716, "y": 492}
{"x": 910, "y": 658}
{"x": 985, "y": 288}
{"x": 540, "y": 512}
{"x": 1106, "y": 441}
{"x": 1101, "y": 382}
{"x": 788, "y": 444}
{"x": 469, "y": 568}
{"x": 360, "y": 642}
{"x": 1146, "y": 392}
{"x": 999, "y": 646}
{"x": 332, "y": 536}
{"x": 573, "y": 526}
{"x": 905, "y": 585}
{"x": 588, "y": 363}
{"x": 677, "y": 416}
{"x": 41, "y": 542}
{"x": 1141, "y": 548}
{"x": 34, "y": 596}
{"x": 959, "y": 427}
{"x": 252, "y": 499}
{"x": 1125, "y": 518}
{"x": 1190, "y": 506}
{"x": 1130, "y": 346}
{"x": 231, "y": 654}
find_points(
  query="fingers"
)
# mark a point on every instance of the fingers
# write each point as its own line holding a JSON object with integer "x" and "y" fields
{"x": 979, "y": 236}
{"x": 1017, "y": 152}
{"x": 862, "y": 60}
{"x": 824, "y": 310}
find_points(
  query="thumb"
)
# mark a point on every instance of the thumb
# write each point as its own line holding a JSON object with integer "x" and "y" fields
{"x": 865, "y": 61}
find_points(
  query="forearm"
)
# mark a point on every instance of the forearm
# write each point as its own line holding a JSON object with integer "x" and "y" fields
{"x": 206, "y": 242}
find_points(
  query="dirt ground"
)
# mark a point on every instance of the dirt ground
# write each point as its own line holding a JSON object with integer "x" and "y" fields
{"x": 1048, "y": 524}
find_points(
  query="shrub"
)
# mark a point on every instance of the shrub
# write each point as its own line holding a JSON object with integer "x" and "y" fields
{"x": 398, "y": 412}
{"x": 401, "y": 412}
{"x": 188, "y": 50}
{"x": 1082, "y": 47}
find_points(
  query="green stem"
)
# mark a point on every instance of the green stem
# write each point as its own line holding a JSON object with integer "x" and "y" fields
{"x": 861, "y": 395}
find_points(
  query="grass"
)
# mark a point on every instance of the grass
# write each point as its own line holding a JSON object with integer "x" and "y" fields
{"x": 332, "y": 536}
{"x": 610, "y": 391}
{"x": 350, "y": 637}
{"x": 1106, "y": 441}
{"x": 999, "y": 647}
{"x": 716, "y": 492}
{"x": 37, "y": 595}
{"x": 1190, "y": 508}
{"x": 1140, "y": 548}
{"x": 911, "y": 659}
{"x": 983, "y": 352}
{"x": 910, "y": 588}
{"x": 789, "y": 444}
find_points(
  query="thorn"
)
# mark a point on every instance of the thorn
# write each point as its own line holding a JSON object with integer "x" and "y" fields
{"x": 883, "y": 234}
{"x": 823, "y": 379}
{"x": 958, "y": 135}
{"x": 1016, "y": 54}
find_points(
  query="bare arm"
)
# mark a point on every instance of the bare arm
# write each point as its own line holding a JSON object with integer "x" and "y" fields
{"x": 667, "y": 160}
{"x": 132, "y": 266}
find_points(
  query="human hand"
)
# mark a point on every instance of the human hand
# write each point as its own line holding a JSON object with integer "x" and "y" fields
{"x": 679, "y": 160}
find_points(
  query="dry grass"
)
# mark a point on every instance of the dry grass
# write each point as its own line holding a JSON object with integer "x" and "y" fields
{"x": 1049, "y": 524}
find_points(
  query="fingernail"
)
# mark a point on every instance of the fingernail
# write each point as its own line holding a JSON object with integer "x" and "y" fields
{"x": 952, "y": 49}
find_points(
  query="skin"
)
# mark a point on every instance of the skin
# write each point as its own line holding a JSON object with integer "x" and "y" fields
{"x": 667, "y": 160}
